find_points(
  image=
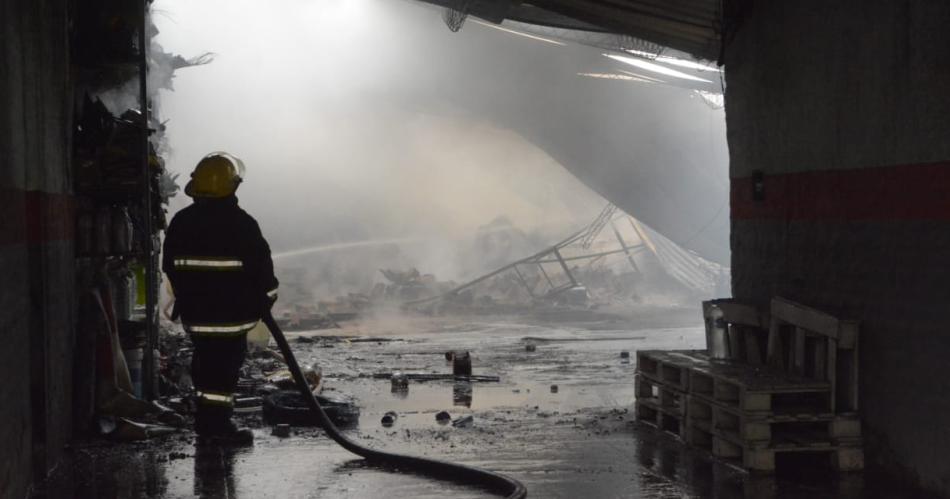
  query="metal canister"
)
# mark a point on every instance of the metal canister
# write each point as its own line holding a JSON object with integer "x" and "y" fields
{"x": 399, "y": 381}
{"x": 717, "y": 341}
{"x": 462, "y": 364}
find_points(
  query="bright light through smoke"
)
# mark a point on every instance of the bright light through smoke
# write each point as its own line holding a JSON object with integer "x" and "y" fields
{"x": 656, "y": 68}
{"x": 673, "y": 61}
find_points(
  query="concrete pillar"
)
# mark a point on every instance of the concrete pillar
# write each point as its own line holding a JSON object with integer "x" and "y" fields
{"x": 36, "y": 250}
{"x": 839, "y": 133}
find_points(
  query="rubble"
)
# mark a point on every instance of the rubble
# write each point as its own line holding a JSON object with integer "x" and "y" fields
{"x": 462, "y": 393}
{"x": 127, "y": 429}
{"x": 614, "y": 261}
{"x": 464, "y": 422}
{"x": 181, "y": 405}
{"x": 407, "y": 285}
{"x": 507, "y": 424}
{"x": 437, "y": 377}
{"x": 303, "y": 318}
{"x": 284, "y": 380}
{"x": 246, "y": 405}
{"x": 288, "y": 406}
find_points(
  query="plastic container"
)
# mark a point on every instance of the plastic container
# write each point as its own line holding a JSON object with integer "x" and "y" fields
{"x": 124, "y": 295}
{"x": 462, "y": 364}
{"x": 139, "y": 272}
{"x": 133, "y": 358}
{"x": 258, "y": 337}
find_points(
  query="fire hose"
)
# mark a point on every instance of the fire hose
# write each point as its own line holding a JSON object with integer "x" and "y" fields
{"x": 488, "y": 480}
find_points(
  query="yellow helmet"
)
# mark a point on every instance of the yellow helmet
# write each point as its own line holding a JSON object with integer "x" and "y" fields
{"x": 217, "y": 175}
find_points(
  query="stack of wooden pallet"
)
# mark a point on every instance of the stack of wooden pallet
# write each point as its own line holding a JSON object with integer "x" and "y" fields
{"x": 789, "y": 384}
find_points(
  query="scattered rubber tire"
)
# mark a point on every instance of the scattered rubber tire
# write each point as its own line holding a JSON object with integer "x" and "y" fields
{"x": 289, "y": 407}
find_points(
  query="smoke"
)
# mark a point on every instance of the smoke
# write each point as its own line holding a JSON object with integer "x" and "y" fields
{"x": 365, "y": 121}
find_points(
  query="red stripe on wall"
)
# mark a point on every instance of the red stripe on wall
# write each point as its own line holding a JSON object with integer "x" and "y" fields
{"x": 35, "y": 217}
{"x": 908, "y": 192}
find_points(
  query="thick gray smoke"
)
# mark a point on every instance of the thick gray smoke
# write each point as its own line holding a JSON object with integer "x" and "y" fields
{"x": 367, "y": 121}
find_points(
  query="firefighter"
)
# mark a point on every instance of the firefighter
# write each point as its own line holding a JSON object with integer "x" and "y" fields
{"x": 221, "y": 272}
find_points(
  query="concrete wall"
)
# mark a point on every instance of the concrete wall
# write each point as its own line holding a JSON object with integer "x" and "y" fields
{"x": 843, "y": 107}
{"x": 36, "y": 249}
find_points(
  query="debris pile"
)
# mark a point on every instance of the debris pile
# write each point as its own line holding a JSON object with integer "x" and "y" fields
{"x": 266, "y": 392}
{"x": 615, "y": 260}
{"x": 407, "y": 285}
{"x": 299, "y": 317}
{"x": 289, "y": 407}
{"x": 610, "y": 264}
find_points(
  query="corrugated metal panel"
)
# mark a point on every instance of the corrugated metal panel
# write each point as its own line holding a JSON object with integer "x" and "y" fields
{"x": 692, "y": 26}
{"x": 688, "y": 25}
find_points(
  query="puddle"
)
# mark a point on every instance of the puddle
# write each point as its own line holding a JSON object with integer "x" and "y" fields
{"x": 577, "y": 442}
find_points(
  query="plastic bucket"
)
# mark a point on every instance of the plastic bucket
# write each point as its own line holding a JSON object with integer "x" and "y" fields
{"x": 258, "y": 337}
{"x": 133, "y": 358}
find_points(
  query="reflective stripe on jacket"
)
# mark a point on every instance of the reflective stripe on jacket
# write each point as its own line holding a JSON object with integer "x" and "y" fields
{"x": 216, "y": 398}
{"x": 220, "y": 330}
{"x": 207, "y": 263}
{"x": 220, "y": 268}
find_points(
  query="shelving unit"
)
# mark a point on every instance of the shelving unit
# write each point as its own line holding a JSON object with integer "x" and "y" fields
{"x": 151, "y": 258}
{"x": 117, "y": 168}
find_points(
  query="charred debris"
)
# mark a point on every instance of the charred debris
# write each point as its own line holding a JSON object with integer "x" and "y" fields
{"x": 613, "y": 262}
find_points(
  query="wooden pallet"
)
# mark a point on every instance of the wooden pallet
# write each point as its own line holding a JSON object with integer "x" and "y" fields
{"x": 841, "y": 458}
{"x": 742, "y": 413}
{"x": 754, "y": 389}
{"x": 670, "y": 368}
{"x": 810, "y": 430}
{"x": 667, "y": 398}
{"x": 650, "y": 412}
{"x": 815, "y": 344}
{"x": 699, "y": 437}
{"x": 761, "y": 430}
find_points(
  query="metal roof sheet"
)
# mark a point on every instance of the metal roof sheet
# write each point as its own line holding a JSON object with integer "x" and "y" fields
{"x": 691, "y": 26}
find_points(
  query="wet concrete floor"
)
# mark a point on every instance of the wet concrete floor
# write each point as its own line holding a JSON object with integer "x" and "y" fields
{"x": 580, "y": 442}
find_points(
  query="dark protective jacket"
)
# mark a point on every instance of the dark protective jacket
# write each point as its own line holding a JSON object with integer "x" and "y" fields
{"x": 220, "y": 268}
